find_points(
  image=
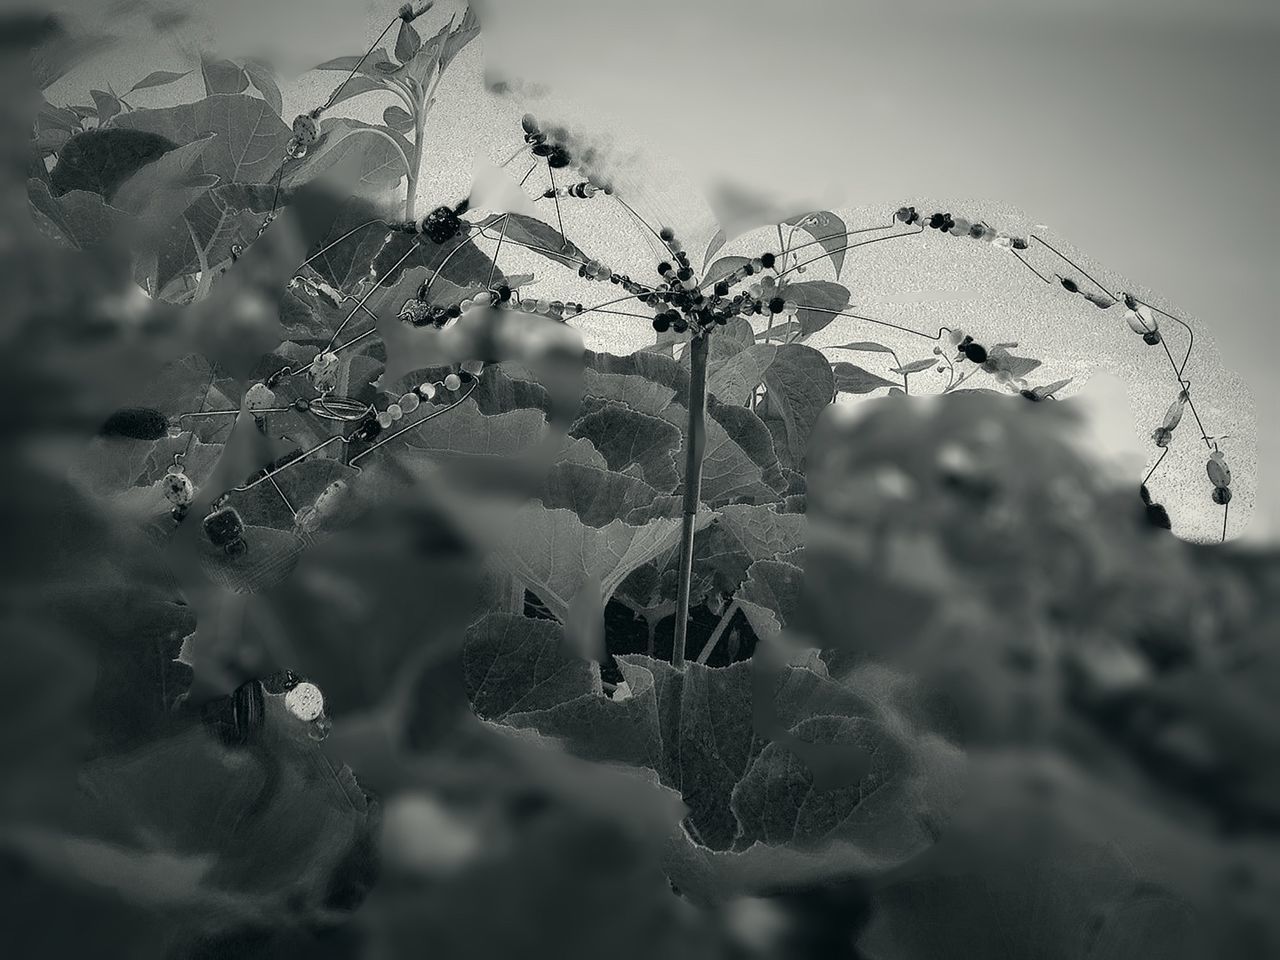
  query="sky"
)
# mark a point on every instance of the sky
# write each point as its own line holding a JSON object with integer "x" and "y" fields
{"x": 1140, "y": 133}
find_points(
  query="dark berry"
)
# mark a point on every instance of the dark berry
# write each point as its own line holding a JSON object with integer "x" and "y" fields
{"x": 136, "y": 423}
{"x": 558, "y": 158}
{"x": 681, "y": 325}
{"x": 1158, "y": 516}
{"x": 664, "y": 268}
{"x": 975, "y": 352}
{"x": 722, "y": 289}
{"x": 768, "y": 259}
{"x": 667, "y": 234}
{"x": 661, "y": 323}
{"x": 223, "y": 526}
{"x": 179, "y": 513}
{"x": 1222, "y": 495}
{"x": 1151, "y": 338}
{"x": 1019, "y": 243}
{"x": 1070, "y": 285}
{"x": 441, "y": 224}
{"x": 542, "y": 150}
{"x": 936, "y": 221}
{"x": 776, "y": 304}
{"x": 684, "y": 273}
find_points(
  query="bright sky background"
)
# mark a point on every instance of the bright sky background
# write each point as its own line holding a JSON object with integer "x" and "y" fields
{"x": 1142, "y": 132}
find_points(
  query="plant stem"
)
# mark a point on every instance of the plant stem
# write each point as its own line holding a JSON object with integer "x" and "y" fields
{"x": 716, "y": 634}
{"x": 694, "y": 449}
{"x": 411, "y": 192}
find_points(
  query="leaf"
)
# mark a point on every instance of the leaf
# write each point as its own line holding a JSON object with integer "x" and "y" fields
{"x": 539, "y": 236}
{"x": 223, "y": 76}
{"x": 366, "y": 65}
{"x": 779, "y": 331}
{"x": 361, "y": 159}
{"x": 264, "y": 82}
{"x": 734, "y": 380}
{"x": 78, "y": 217}
{"x": 461, "y": 35}
{"x": 829, "y": 230}
{"x": 158, "y": 78}
{"x": 397, "y": 118}
{"x": 107, "y": 105}
{"x": 596, "y": 494}
{"x": 778, "y": 802}
{"x": 251, "y": 137}
{"x": 716, "y": 243}
{"x": 161, "y": 190}
{"x": 721, "y": 269}
{"x": 627, "y": 439}
{"x": 554, "y": 553}
{"x": 407, "y": 42}
{"x": 100, "y": 160}
{"x": 512, "y": 664}
{"x": 866, "y": 346}
{"x": 1048, "y": 390}
{"x": 801, "y": 386}
{"x": 915, "y": 366}
{"x": 850, "y": 378}
{"x": 770, "y": 596}
{"x": 820, "y": 301}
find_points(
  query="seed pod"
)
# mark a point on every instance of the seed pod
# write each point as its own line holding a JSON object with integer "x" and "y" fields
{"x": 305, "y": 129}
{"x": 1218, "y": 471}
{"x": 1141, "y": 320}
{"x": 178, "y": 488}
{"x": 259, "y": 397}
{"x": 136, "y": 423}
{"x": 1173, "y": 416}
{"x": 223, "y": 527}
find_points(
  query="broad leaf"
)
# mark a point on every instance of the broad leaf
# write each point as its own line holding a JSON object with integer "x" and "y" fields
{"x": 158, "y": 78}
{"x": 251, "y": 137}
{"x": 800, "y": 385}
{"x": 98, "y": 161}
{"x": 830, "y": 232}
{"x": 820, "y": 301}
{"x": 223, "y": 76}
{"x": 850, "y": 378}
{"x": 512, "y": 665}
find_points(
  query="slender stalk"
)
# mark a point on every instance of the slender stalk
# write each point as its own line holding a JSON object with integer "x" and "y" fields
{"x": 411, "y": 192}
{"x": 698, "y": 349}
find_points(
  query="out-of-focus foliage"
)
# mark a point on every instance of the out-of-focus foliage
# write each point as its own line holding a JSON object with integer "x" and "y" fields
{"x": 949, "y": 694}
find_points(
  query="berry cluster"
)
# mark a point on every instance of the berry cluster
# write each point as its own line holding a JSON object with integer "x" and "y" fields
{"x": 582, "y": 191}
{"x": 374, "y": 422}
{"x": 960, "y": 227}
{"x": 419, "y": 313}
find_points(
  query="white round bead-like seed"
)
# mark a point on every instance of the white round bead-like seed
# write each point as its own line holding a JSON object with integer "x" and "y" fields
{"x": 305, "y": 701}
{"x": 409, "y": 402}
{"x": 395, "y": 411}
